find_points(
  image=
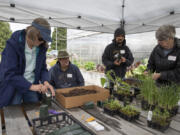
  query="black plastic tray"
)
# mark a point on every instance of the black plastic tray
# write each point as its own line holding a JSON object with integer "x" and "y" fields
{"x": 44, "y": 126}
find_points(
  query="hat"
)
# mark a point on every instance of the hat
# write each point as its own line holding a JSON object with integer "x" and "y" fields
{"x": 63, "y": 54}
{"x": 118, "y": 32}
{"x": 45, "y": 32}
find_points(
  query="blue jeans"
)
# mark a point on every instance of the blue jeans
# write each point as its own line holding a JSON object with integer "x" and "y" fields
{"x": 28, "y": 97}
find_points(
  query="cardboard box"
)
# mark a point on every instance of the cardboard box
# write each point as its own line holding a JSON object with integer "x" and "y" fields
{"x": 75, "y": 101}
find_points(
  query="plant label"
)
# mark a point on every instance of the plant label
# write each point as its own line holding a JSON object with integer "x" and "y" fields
{"x": 149, "y": 117}
{"x": 115, "y": 87}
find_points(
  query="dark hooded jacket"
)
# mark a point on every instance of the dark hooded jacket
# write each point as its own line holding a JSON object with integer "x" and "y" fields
{"x": 109, "y": 56}
{"x": 168, "y": 65}
{"x": 12, "y": 67}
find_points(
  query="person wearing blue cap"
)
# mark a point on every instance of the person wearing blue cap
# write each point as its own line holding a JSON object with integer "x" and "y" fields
{"x": 23, "y": 71}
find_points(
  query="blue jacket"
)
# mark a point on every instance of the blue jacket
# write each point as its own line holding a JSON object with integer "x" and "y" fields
{"x": 72, "y": 77}
{"x": 12, "y": 67}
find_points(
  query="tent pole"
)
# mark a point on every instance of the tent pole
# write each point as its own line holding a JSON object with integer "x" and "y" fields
{"x": 122, "y": 20}
{"x": 56, "y": 38}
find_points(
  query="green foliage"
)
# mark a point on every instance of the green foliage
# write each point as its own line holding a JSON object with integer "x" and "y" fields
{"x": 78, "y": 64}
{"x": 89, "y": 65}
{"x": 139, "y": 70}
{"x": 61, "y": 39}
{"x": 117, "y": 81}
{"x": 5, "y": 34}
{"x": 103, "y": 81}
{"x": 168, "y": 96}
{"x": 148, "y": 90}
{"x": 162, "y": 118}
{"x": 129, "y": 110}
{"x": 112, "y": 104}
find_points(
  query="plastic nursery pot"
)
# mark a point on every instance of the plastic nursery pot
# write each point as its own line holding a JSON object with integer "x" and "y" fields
{"x": 46, "y": 100}
{"x": 109, "y": 111}
{"x": 173, "y": 111}
{"x": 157, "y": 126}
{"x": 127, "y": 117}
{"x": 43, "y": 111}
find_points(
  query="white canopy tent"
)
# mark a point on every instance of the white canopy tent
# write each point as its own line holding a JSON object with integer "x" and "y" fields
{"x": 95, "y": 15}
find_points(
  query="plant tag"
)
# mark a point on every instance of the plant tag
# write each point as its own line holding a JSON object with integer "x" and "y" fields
{"x": 149, "y": 116}
{"x": 132, "y": 90}
{"x": 115, "y": 87}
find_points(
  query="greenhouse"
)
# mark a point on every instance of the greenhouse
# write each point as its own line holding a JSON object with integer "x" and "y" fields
{"x": 89, "y": 67}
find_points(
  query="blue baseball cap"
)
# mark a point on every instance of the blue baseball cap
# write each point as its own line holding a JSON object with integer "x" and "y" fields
{"x": 45, "y": 32}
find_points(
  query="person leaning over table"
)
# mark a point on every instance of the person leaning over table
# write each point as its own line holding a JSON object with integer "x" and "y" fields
{"x": 164, "y": 61}
{"x": 23, "y": 72}
{"x": 117, "y": 56}
{"x": 64, "y": 74}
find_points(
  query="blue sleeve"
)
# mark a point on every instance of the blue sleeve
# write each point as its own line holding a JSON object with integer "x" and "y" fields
{"x": 80, "y": 79}
{"x": 44, "y": 71}
{"x": 11, "y": 70}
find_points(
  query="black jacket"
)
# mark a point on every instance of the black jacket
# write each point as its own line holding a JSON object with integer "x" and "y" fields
{"x": 109, "y": 56}
{"x": 168, "y": 65}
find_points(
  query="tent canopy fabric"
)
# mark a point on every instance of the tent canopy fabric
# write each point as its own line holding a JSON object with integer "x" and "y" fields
{"x": 95, "y": 15}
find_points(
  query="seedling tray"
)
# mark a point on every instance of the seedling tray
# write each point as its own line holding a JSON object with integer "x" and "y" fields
{"x": 157, "y": 126}
{"x": 52, "y": 123}
{"x": 110, "y": 112}
{"x": 129, "y": 118}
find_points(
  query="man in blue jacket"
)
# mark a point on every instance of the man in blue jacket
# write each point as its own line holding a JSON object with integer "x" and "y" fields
{"x": 23, "y": 72}
{"x": 64, "y": 74}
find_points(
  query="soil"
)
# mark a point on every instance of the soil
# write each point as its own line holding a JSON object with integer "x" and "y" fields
{"x": 78, "y": 92}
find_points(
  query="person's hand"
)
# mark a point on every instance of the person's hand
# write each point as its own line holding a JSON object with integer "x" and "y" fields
{"x": 117, "y": 62}
{"x": 123, "y": 59}
{"x": 155, "y": 76}
{"x": 50, "y": 87}
{"x": 36, "y": 87}
{"x": 44, "y": 89}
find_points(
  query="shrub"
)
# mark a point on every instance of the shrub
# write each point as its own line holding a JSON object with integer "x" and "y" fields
{"x": 89, "y": 65}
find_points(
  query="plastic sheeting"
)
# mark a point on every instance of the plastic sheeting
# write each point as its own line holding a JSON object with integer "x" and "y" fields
{"x": 95, "y": 15}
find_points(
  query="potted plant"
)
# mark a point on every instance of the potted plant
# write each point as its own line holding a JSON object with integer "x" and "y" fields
{"x": 121, "y": 89}
{"x": 168, "y": 97}
{"x": 148, "y": 93}
{"x": 160, "y": 120}
{"x": 129, "y": 113}
{"x": 111, "y": 107}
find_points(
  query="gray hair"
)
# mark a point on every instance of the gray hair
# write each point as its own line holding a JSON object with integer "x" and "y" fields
{"x": 165, "y": 31}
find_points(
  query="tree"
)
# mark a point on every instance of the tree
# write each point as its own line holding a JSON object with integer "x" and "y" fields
{"x": 5, "y": 33}
{"x": 61, "y": 39}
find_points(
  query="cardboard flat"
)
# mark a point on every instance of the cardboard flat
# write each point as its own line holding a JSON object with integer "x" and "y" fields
{"x": 76, "y": 101}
